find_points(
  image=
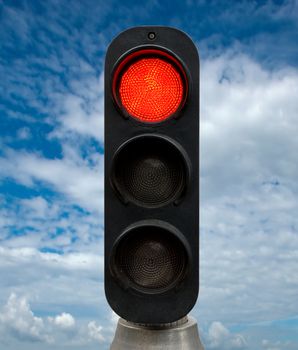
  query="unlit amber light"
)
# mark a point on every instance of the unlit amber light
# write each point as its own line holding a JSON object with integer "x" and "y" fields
{"x": 151, "y": 89}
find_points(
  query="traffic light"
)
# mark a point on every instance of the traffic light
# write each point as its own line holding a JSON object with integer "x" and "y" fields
{"x": 152, "y": 174}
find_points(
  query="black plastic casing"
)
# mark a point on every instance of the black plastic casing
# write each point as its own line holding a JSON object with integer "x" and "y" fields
{"x": 129, "y": 303}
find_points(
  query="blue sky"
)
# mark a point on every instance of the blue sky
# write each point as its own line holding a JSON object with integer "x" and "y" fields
{"x": 51, "y": 170}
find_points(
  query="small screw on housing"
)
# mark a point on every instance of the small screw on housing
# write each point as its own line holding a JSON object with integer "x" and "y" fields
{"x": 151, "y": 36}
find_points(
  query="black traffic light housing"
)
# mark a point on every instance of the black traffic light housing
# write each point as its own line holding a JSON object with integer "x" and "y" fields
{"x": 152, "y": 179}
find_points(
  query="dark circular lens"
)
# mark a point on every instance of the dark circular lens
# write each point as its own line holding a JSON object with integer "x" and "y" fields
{"x": 150, "y": 171}
{"x": 151, "y": 258}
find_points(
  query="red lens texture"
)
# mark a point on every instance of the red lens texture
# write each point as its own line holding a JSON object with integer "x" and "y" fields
{"x": 151, "y": 89}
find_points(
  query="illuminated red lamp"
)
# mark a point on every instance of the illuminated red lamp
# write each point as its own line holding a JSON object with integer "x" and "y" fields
{"x": 150, "y": 86}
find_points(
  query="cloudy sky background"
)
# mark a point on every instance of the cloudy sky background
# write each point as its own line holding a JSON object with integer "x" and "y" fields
{"x": 51, "y": 170}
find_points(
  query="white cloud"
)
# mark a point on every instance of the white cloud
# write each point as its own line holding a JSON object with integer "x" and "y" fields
{"x": 24, "y": 133}
{"x": 248, "y": 125}
{"x": 266, "y": 344}
{"x": 50, "y": 223}
{"x": 95, "y": 331}
{"x": 82, "y": 111}
{"x": 52, "y": 279}
{"x": 71, "y": 261}
{"x": 19, "y": 321}
{"x": 248, "y": 191}
{"x": 220, "y": 338}
{"x": 277, "y": 345}
{"x": 38, "y": 207}
{"x": 64, "y": 320}
{"x": 81, "y": 183}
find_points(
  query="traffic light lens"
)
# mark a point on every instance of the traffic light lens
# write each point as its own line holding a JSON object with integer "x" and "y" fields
{"x": 151, "y": 88}
{"x": 150, "y": 171}
{"x": 150, "y": 258}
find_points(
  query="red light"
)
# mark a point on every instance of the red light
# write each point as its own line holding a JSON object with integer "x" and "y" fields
{"x": 151, "y": 88}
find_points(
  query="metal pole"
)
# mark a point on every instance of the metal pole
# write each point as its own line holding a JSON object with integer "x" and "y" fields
{"x": 180, "y": 335}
